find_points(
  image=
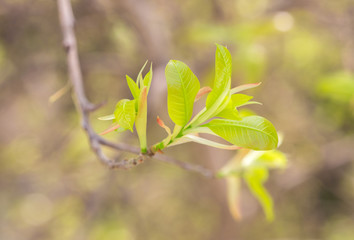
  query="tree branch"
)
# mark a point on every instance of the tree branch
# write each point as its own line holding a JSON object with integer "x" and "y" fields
{"x": 84, "y": 106}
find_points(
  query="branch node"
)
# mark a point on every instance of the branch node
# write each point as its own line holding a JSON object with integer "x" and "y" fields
{"x": 66, "y": 46}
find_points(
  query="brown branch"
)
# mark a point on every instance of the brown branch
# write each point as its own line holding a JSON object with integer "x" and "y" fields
{"x": 84, "y": 106}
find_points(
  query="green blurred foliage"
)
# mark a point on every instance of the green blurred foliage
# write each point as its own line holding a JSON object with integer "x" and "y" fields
{"x": 53, "y": 187}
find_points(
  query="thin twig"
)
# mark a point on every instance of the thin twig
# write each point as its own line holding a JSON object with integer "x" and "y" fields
{"x": 187, "y": 166}
{"x": 84, "y": 106}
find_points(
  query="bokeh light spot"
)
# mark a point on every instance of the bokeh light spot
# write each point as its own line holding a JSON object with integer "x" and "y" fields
{"x": 36, "y": 209}
{"x": 283, "y": 21}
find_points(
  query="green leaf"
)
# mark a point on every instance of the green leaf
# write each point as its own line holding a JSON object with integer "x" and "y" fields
{"x": 229, "y": 112}
{"x": 237, "y": 100}
{"x": 217, "y": 98}
{"x": 255, "y": 177}
{"x": 240, "y": 99}
{"x": 134, "y": 89}
{"x": 182, "y": 86}
{"x": 141, "y": 120}
{"x": 125, "y": 113}
{"x": 252, "y": 132}
{"x": 222, "y": 82}
{"x": 245, "y": 112}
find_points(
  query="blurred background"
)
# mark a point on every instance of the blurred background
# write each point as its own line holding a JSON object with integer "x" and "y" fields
{"x": 53, "y": 187}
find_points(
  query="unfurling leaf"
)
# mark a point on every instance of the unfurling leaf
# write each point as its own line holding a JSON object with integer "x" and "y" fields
{"x": 240, "y": 99}
{"x": 134, "y": 89}
{"x": 217, "y": 99}
{"x": 125, "y": 113}
{"x": 253, "y": 132}
{"x": 182, "y": 87}
{"x": 229, "y": 112}
{"x": 222, "y": 82}
{"x": 141, "y": 120}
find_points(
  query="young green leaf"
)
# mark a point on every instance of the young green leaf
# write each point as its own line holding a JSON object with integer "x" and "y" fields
{"x": 252, "y": 132}
{"x": 125, "y": 113}
{"x": 134, "y": 89}
{"x": 141, "y": 120}
{"x": 182, "y": 87}
{"x": 222, "y": 82}
{"x": 229, "y": 112}
{"x": 216, "y": 100}
{"x": 240, "y": 99}
{"x": 255, "y": 177}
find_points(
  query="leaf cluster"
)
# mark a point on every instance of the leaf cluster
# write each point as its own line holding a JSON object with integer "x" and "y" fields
{"x": 128, "y": 112}
{"x": 220, "y": 117}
